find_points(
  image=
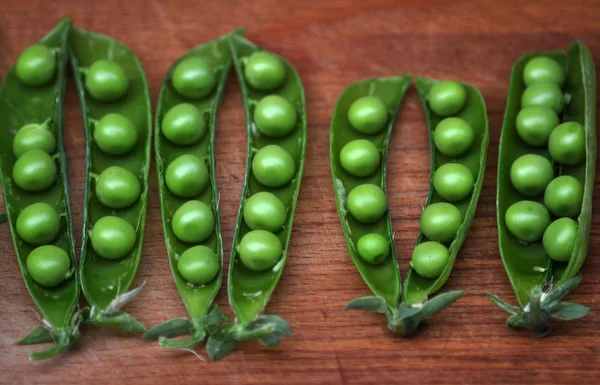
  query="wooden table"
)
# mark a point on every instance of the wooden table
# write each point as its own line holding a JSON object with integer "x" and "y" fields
{"x": 332, "y": 44}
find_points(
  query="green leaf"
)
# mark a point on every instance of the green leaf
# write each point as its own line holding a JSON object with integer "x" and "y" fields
{"x": 373, "y": 303}
{"x": 516, "y": 321}
{"x": 569, "y": 311}
{"x": 171, "y": 328}
{"x": 121, "y": 321}
{"x": 39, "y": 335}
{"x": 438, "y": 303}
{"x": 503, "y": 305}
{"x": 183, "y": 343}
{"x": 561, "y": 289}
{"x": 220, "y": 344}
{"x": 47, "y": 353}
{"x": 405, "y": 311}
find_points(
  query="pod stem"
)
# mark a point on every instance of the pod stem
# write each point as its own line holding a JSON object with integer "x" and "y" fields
{"x": 40, "y": 335}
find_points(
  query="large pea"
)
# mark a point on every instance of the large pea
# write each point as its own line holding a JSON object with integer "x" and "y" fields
{"x": 559, "y": 239}
{"x": 48, "y": 265}
{"x": 440, "y": 222}
{"x": 112, "y": 237}
{"x": 447, "y": 98}
{"x": 264, "y": 211}
{"x": 106, "y": 81}
{"x": 34, "y": 171}
{"x": 183, "y": 124}
{"x": 33, "y": 137}
{"x": 368, "y": 115}
{"x": 429, "y": 259}
{"x": 193, "y": 222}
{"x": 567, "y": 144}
{"x": 38, "y": 224}
{"x": 453, "y": 136}
{"x": 564, "y": 196}
{"x": 115, "y": 134}
{"x": 535, "y": 124}
{"x": 453, "y": 181}
{"x": 36, "y": 65}
{"x": 527, "y": 220}
{"x": 275, "y": 116}
{"x": 543, "y": 95}
{"x": 186, "y": 176}
{"x": 542, "y": 69}
{"x": 117, "y": 188}
{"x": 198, "y": 265}
{"x": 264, "y": 71}
{"x": 367, "y": 203}
{"x": 194, "y": 77}
{"x": 373, "y": 248}
{"x": 360, "y": 157}
{"x": 531, "y": 173}
{"x": 260, "y": 250}
{"x": 273, "y": 166}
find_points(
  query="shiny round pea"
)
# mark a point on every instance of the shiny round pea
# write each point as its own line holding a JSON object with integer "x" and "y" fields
{"x": 559, "y": 239}
{"x": 115, "y": 134}
{"x": 260, "y": 250}
{"x": 198, "y": 265}
{"x": 273, "y": 166}
{"x": 117, "y": 188}
{"x": 367, "y": 203}
{"x": 48, "y": 265}
{"x": 567, "y": 144}
{"x": 429, "y": 259}
{"x": 264, "y": 211}
{"x": 440, "y": 221}
{"x": 264, "y": 71}
{"x": 112, "y": 237}
{"x": 535, "y": 124}
{"x": 275, "y": 116}
{"x": 360, "y": 157}
{"x": 186, "y": 176}
{"x": 106, "y": 81}
{"x": 543, "y": 95}
{"x": 542, "y": 69}
{"x": 36, "y": 65}
{"x": 447, "y": 98}
{"x": 194, "y": 77}
{"x": 564, "y": 196}
{"x": 193, "y": 222}
{"x": 38, "y": 224}
{"x": 453, "y": 181}
{"x": 453, "y": 136}
{"x": 373, "y": 248}
{"x": 31, "y": 137}
{"x": 368, "y": 115}
{"x": 527, "y": 220}
{"x": 183, "y": 124}
{"x": 531, "y": 173}
{"x": 34, "y": 171}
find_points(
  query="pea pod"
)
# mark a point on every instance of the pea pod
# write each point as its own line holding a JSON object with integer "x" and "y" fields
{"x": 116, "y": 108}
{"x": 253, "y": 276}
{"x": 538, "y": 281}
{"x": 41, "y": 104}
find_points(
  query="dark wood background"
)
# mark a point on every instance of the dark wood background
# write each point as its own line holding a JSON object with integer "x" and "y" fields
{"x": 332, "y": 44}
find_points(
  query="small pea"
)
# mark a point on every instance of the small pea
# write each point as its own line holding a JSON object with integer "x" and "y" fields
{"x": 48, "y": 265}
{"x": 535, "y": 124}
{"x": 193, "y": 222}
{"x": 264, "y": 211}
{"x": 429, "y": 259}
{"x": 106, "y": 81}
{"x": 264, "y": 71}
{"x": 112, "y": 237}
{"x": 273, "y": 166}
{"x": 34, "y": 171}
{"x": 567, "y": 144}
{"x": 559, "y": 239}
{"x": 33, "y": 136}
{"x": 543, "y": 95}
{"x": 367, "y": 203}
{"x": 368, "y": 115}
{"x": 564, "y": 196}
{"x": 117, "y": 188}
{"x": 447, "y": 98}
{"x": 440, "y": 222}
{"x": 453, "y": 181}
{"x": 531, "y": 173}
{"x": 360, "y": 158}
{"x": 373, "y": 248}
{"x": 186, "y": 176}
{"x": 527, "y": 220}
{"x": 260, "y": 250}
{"x": 115, "y": 134}
{"x": 275, "y": 116}
{"x": 183, "y": 124}
{"x": 453, "y": 136}
{"x": 542, "y": 69}
{"x": 194, "y": 77}
{"x": 36, "y": 65}
{"x": 38, "y": 224}
{"x": 198, "y": 265}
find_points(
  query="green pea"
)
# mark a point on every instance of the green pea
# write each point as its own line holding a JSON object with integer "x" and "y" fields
{"x": 527, "y": 220}
{"x": 38, "y": 224}
{"x": 194, "y": 78}
{"x": 429, "y": 259}
{"x": 440, "y": 222}
{"x": 564, "y": 196}
{"x": 112, "y": 237}
{"x": 531, "y": 173}
{"x": 367, "y": 203}
{"x": 543, "y": 95}
{"x": 48, "y": 265}
{"x": 183, "y": 124}
{"x": 453, "y": 181}
{"x": 567, "y": 144}
{"x": 360, "y": 157}
{"x": 542, "y": 69}
{"x": 115, "y": 134}
{"x": 193, "y": 222}
{"x": 264, "y": 211}
{"x": 34, "y": 171}
{"x": 31, "y": 137}
{"x": 198, "y": 265}
{"x": 260, "y": 250}
{"x": 264, "y": 71}
{"x": 275, "y": 116}
{"x": 535, "y": 124}
{"x": 36, "y": 65}
{"x": 373, "y": 248}
{"x": 117, "y": 188}
{"x": 447, "y": 98}
{"x": 186, "y": 176}
{"x": 273, "y": 166}
{"x": 559, "y": 239}
{"x": 453, "y": 136}
{"x": 106, "y": 81}
{"x": 368, "y": 115}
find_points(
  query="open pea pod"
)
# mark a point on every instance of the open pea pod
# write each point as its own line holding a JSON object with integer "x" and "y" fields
{"x": 251, "y": 287}
{"x": 538, "y": 281}
{"x": 42, "y": 104}
{"x": 111, "y": 83}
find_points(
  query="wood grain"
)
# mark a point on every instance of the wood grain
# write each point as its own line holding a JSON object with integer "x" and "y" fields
{"x": 332, "y": 44}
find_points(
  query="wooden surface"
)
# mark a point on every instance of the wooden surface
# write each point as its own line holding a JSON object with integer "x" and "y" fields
{"x": 332, "y": 44}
